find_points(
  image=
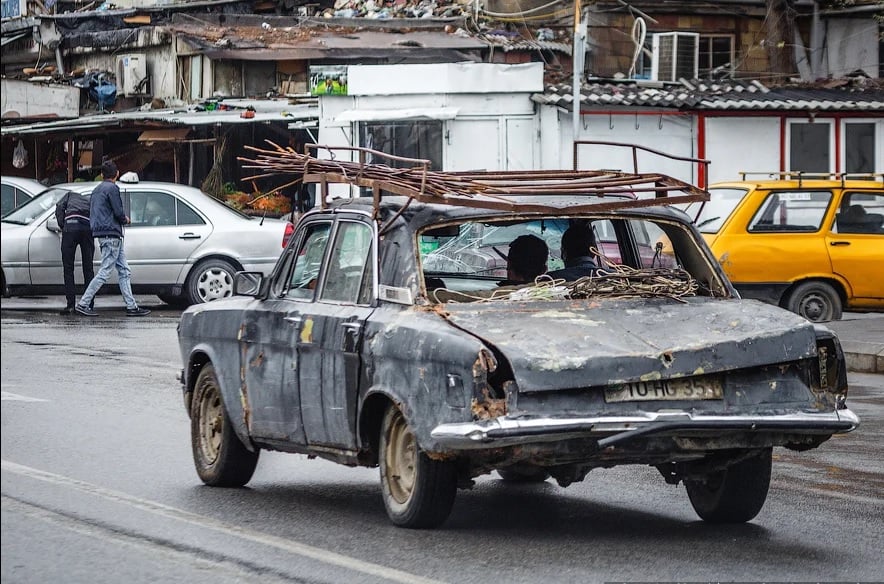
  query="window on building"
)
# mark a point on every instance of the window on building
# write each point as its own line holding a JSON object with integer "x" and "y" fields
{"x": 810, "y": 147}
{"x": 713, "y": 51}
{"x": 410, "y": 139}
{"x": 13, "y": 9}
{"x": 859, "y": 147}
{"x": 716, "y": 52}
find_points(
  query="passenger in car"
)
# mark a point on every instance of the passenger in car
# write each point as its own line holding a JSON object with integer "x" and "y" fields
{"x": 577, "y": 244}
{"x": 527, "y": 259}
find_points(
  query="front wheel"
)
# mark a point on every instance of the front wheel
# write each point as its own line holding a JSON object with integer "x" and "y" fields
{"x": 418, "y": 491}
{"x": 815, "y": 301}
{"x": 733, "y": 495}
{"x": 210, "y": 280}
{"x": 221, "y": 459}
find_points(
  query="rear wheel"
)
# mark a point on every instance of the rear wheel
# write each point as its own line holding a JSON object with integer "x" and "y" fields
{"x": 210, "y": 280}
{"x": 220, "y": 457}
{"x": 815, "y": 301}
{"x": 418, "y": 492}
{"x": 733, "y": 495}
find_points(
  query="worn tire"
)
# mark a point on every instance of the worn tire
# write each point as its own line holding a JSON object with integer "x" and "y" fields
{"x": 815, "y": 301}
{"x": 418, "y": 492}
{"x": 522, "y": 475}
{"x": 733, "y": 495}
{"x": 220, "y": 457}
{"x": 209, "y": 280}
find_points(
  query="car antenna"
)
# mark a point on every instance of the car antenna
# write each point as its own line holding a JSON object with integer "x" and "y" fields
{"x": 262, "y": 217}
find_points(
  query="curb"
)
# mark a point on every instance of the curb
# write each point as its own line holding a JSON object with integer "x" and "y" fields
{"x": 863, "y": 357}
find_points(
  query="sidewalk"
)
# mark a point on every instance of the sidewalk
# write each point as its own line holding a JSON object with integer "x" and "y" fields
{"x": 862, "y": 338}
{"x": 861, "y": 334}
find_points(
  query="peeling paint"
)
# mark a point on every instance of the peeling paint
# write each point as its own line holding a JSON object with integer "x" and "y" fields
{"x": 307, "y": 331}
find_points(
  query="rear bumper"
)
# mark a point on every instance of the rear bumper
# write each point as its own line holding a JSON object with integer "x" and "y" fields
{"x": 614, "y": 430}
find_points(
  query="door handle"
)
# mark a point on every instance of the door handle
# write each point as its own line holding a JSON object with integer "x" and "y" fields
{"x": 352, "y": 326}
{"x": 293, "y": 319}
{"x": 189, "y": 235}
{"x": 839, "y": 243}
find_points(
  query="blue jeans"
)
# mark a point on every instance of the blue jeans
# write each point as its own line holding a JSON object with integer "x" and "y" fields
{"x": 112, "y": 255}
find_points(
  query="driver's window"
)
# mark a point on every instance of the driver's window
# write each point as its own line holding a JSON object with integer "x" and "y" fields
{"x": 308, "y": 261}
{"x": 348, "y": 263}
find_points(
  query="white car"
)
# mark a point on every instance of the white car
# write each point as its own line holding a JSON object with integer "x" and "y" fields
{"x": 182, "y": 244}
{"x": 17, "y": 190}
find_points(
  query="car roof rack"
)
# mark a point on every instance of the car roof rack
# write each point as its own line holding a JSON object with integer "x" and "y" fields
{"x": 801, "y": 176}
{"x": 486, "y": 189}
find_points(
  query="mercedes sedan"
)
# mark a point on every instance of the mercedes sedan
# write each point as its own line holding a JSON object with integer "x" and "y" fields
{"x": 182, "y": 244}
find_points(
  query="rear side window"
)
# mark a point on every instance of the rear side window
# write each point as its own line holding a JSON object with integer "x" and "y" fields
{"x": 349, "y": 269}
{"x": 714, "y": 212}
{"x": 791, "y": 211}
{"x": 861, "y": 212}
{"x": 187, "y": 216}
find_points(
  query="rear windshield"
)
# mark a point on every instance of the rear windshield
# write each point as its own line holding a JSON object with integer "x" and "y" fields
{"x": 34, "y": 209}
{"x": 716, "y": 210}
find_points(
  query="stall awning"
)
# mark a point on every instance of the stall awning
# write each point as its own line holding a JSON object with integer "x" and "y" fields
{"x": 170, "y": 135}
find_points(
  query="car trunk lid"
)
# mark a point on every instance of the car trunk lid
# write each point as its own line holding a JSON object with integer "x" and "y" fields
{"x": 585, "y": 343}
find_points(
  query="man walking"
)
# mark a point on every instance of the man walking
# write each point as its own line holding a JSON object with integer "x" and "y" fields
{"x": 72, "y": 214}
{"x": 107, "y": 219}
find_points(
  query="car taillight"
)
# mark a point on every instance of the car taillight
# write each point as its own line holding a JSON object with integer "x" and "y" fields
{"x": 289, "y": 231}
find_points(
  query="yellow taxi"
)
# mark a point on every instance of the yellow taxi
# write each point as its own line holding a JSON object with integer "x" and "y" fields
{"x": 813, "y": 246}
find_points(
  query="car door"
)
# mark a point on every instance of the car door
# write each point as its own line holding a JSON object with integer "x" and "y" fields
{"x": 329, "y": 362}
{"x": 856, "y": 247}
{"x": 163, "y": 233}
{"x": 783, "y": 240}
{"x": 270, "y": 333}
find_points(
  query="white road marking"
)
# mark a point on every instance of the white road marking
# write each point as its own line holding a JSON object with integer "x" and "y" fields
{"x": 286, "y": 545}
{"x": 7, "y": 395}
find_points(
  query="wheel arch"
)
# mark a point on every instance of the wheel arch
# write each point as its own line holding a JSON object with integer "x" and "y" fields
{"x": 235, "y": 402}
{"x": 841, "y": 288}
{"x": 371, "y": 416}
{"x": 213, "y": 256}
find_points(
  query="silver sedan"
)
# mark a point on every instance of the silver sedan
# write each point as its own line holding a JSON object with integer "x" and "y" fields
{"x": 17, "y": 190}
{"x": 182, "y": 244}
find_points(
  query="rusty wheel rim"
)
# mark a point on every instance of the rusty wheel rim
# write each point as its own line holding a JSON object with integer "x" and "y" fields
{"x": 211, "y": 420}
{"x": 400, "y": 459}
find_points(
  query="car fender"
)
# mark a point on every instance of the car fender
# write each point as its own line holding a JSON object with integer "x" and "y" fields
{"x": 227, "y": 368}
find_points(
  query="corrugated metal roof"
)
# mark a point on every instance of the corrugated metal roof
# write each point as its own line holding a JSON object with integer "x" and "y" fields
{"x": 265, "y": 112}
{"x": 857, "y": 95}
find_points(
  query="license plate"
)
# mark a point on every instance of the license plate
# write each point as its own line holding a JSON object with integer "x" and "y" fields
{"x": 665, "y": 390}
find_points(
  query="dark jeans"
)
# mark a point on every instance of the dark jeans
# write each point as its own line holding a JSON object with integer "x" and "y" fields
{"x": 71, "y": 237}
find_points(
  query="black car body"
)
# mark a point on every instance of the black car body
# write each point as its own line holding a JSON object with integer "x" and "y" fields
{"x": 352, "y": 351}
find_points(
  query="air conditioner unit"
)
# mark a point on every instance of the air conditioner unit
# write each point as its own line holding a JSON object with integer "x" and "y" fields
{"x": 675, "y": 55}
{"x": 132, "y": 74}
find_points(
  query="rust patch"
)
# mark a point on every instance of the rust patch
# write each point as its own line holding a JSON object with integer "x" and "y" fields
{"x": 667, "y": 359}
{"x": 488, "y": 407}
{"x": 257, "y": 361}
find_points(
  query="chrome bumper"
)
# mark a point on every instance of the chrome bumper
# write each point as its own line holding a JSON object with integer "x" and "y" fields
{"x": 611, "y": 430}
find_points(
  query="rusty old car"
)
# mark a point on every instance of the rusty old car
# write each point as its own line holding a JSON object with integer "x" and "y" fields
{"x": 364, "y": 348}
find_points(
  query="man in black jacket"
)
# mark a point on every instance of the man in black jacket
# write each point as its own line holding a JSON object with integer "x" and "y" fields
{"x": 72, "y": 213}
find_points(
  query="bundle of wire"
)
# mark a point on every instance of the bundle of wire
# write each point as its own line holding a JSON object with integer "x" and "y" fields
{"x": 626, "y": 282}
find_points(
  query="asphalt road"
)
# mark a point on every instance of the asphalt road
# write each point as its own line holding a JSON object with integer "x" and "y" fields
{"x": 98, "y": 486}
